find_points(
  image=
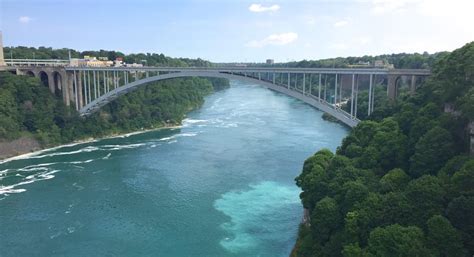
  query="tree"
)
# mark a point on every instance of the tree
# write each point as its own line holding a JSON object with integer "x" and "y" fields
{"x": 443, "y": 237}
{"x": 463, "y": 180}
{"x": 433, "y": 149}
{"x": 397, "y": 241}
{"x": 459, "y": 213}
{"x": 325, "y": 219}
{"x": 394, "y": 180}
{"x": 426, "y": 196}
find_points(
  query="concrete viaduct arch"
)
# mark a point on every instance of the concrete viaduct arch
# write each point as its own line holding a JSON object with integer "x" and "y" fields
{"x": 57, "y": 79}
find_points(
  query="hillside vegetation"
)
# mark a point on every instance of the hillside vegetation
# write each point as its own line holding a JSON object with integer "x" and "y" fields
{"x": 28, "y": 109}
{"x": 402, "y": 182}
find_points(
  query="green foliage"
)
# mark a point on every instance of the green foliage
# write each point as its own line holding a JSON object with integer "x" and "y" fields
{"x": 394, "y": 180}
{"x": 26, "y": 106}
{"x": 401, "y": 183}
{"x": 149, "y": 59}
{"x": 326, "y": 219}
{"x": 397, "y": 241}
{"x": 432, "y": 151}
{"x": 444, "y": 237}
{"x": 400, "y": 61}
{"x": 459, "y": 213}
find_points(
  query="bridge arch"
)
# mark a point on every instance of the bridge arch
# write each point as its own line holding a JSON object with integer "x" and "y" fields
{"x": 57, "y": 81}
{"x": 97, "y": 103}
{"x": 44, "y": 77}
{"x": 30, "y": 73}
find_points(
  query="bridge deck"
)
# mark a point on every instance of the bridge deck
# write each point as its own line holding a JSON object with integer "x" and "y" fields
{"x": 365, "y": 71}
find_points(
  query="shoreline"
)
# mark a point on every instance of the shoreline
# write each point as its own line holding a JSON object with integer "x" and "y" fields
{"x": 85, "y": 141}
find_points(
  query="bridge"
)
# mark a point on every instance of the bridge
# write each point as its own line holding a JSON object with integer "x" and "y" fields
{"x": 327, "y": 89}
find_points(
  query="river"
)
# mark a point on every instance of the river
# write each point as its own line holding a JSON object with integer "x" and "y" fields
{"x": 220, "y": 185}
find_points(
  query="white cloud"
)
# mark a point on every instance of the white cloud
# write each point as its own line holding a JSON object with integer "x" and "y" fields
{"x": 341, "y": 23}
{"x": 261, "y": 8}
{"x": 24, "y": 19}
{"x": 274, "y": 39}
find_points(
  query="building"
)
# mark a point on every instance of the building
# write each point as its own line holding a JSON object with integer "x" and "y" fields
{"x": 379, "y": 63}
{"x": 383, "y": 64}
{"x": 270, "y": 61}
{"x": 118, "y": 62}
{"x": 134, "y": 65}
{"x": 2, "y": 60}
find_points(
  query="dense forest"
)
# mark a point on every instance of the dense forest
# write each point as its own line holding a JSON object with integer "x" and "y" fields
{"x": 402, "y": 182}
{"x": 28, "y": 109}
{"x": 148, "y": 59}
{"x": 399, "y": 61}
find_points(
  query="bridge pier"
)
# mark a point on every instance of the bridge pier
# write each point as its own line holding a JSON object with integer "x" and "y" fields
{"x": 413, "y": 85}
{"x": 50, "y": 83}
{"x": 392, "y": 86}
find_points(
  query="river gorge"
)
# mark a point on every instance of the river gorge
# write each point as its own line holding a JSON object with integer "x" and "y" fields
{"x": 222, "y": 184}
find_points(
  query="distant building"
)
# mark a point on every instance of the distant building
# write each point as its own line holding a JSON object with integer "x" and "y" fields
{"x": 359, "y": 64}
{"x": 75, "y": 62}
{"x": 118, "y": 62}
{"x": 270, "y": 61}
{"x": 379, "y": 64}
{"x": 2, "y": 61}
{"x": 134, "y": 65}
{"x": 383, "y": 64}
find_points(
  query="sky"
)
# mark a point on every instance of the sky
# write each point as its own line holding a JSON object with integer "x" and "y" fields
{"x": 241, "y": 30}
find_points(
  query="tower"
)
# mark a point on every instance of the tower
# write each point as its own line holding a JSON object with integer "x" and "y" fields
{"x": 2, "y": 60}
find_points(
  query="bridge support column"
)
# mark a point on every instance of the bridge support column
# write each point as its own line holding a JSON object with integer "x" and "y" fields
{"x": 335, "y": 92}
{"x": 392, "y": 86}
{"x": 79, "y": 90}
{"x": 66, "y": 87}
{"x": 352, "y": 95}
{"x": 319, "y": 87}
{"x": 289, "y": 80}
{"x": 369, "y": 107}
{"x": 51, "y": 82}
{"x": 304, "y": 83}
{"x": 413, "y": 85}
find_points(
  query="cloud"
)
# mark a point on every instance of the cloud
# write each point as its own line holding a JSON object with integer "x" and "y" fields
{"x": 24, "y": 19}
{"x": 341, "y": 23}
{"x": 261, "y": 8}
{"x": 274, "y": 39}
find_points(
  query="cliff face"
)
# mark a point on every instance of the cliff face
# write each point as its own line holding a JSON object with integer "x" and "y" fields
{"x": 18, "y": 146}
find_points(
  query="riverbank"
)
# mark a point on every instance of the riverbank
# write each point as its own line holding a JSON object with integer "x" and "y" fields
{"x": 27, "y": 146}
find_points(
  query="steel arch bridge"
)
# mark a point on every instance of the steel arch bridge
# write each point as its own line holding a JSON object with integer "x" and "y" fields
{"x": 327, "y": 89}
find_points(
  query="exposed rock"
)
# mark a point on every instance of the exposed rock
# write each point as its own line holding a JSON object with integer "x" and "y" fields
{"x": 18, "y": 146}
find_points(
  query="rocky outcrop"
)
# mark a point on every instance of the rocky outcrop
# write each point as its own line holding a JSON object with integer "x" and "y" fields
{"x": 18, "y": 146}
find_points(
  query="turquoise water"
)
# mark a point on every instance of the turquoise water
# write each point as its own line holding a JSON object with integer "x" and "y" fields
{"x": 221, "y": 185}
